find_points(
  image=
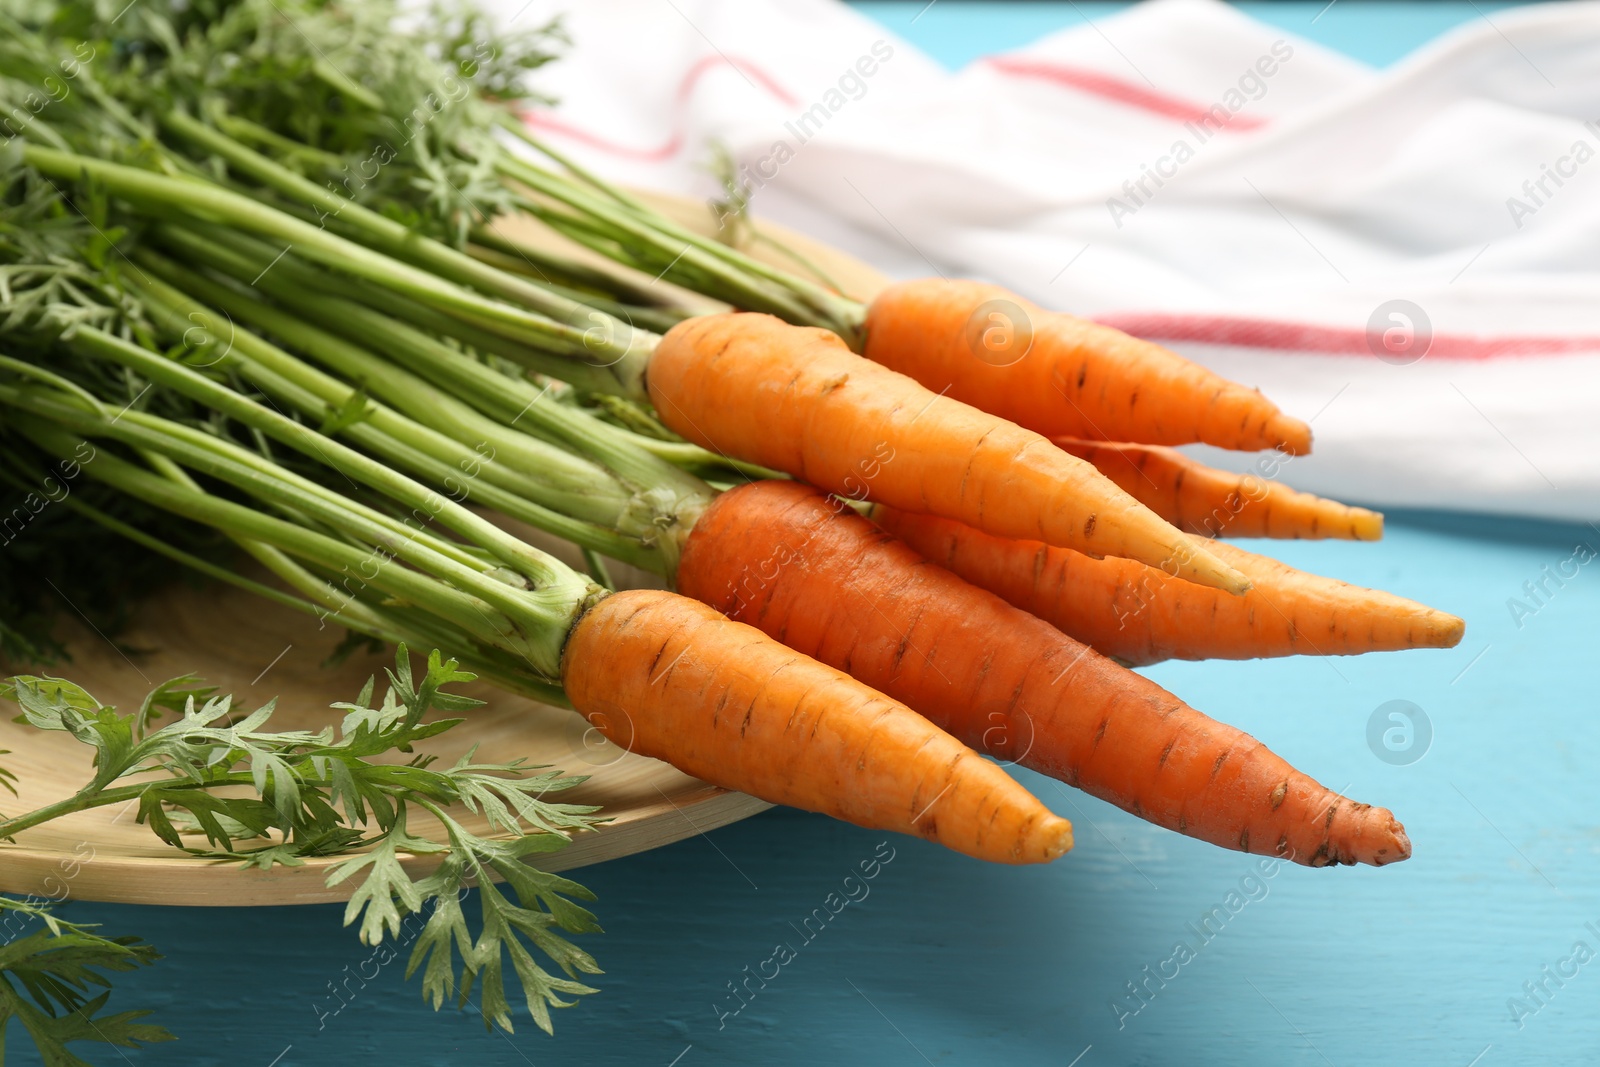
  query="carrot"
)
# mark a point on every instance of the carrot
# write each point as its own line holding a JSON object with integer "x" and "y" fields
{"x": 826, "y": 582}
{"x": 1202, "y": 500}
{"x": 1062, "y": 375}
{"x": 666, "y": 677}
{"x": 1139, "y": 615}
{"x": 797, "y": 399}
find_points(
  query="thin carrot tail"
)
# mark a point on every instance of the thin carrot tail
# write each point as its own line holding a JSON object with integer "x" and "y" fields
{"x": 1062, "y": 375}
{"x": 666, "y": 677}
{"x": 1202, "y": 500}
{"x": 1358, "y": 833}
{"x": 798, "y": 400}
{"x": 811, "y": 573}
{"x": 1139, "y": 615}
{"x": 1217, "y": 783}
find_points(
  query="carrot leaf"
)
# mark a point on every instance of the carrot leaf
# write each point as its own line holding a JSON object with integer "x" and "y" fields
{"x": 326, "y": 792}
{"x": 46, "y": 977}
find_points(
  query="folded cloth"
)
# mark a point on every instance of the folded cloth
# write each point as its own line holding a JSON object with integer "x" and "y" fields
{"x": 1408, "y": 258}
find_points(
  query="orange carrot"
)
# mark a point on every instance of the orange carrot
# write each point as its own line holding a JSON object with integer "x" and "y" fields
{"x": 797, "y": 399}
{"x": 826, "y": 582}
{"x": 666, "y": 677}
{"x": 1062, "y": 375}
{"x": 1202, "y": 500}
{"x": 1139, "y": 615}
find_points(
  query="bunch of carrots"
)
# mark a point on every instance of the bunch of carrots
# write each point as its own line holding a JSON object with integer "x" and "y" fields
{"x": 977, "y": 591}
{"x": 892, "y": 554}
{"x": 991, "y": 399}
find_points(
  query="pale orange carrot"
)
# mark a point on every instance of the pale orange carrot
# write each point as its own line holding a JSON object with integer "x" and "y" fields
{"x": 667, "y": 677}
{"x": 796, "y": 399}
{"x": 1062, "y": 375}
{"x": 1140, "y": 615}
{"x": 825, "y": 581}
{"x": 1202, "y": 500}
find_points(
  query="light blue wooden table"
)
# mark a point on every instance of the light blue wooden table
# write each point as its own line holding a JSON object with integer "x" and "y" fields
{"x": 948, "y": 961}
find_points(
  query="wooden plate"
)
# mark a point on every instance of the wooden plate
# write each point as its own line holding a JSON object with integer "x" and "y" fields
{"x": 257, "y": 650}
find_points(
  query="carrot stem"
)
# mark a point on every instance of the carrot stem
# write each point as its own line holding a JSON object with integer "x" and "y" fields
{"x": 561, "y": 481}
{"x": 508, "y": 400}
{"x": 601, "y": 279}
{"x": 200, "y": 199}
{"x": 392, "y": 237}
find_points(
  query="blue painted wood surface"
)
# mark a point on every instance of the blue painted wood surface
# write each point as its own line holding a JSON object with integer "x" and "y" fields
{"x": 1374, "y": 31}
{"x": 946, "y": 961}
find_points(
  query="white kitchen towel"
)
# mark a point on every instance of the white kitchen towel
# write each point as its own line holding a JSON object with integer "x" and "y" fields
{"x": 1409, "y": 258}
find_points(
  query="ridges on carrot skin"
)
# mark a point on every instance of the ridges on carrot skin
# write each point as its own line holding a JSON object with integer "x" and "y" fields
{"x": 825, "y": 581}
{"x": 1202, "y": 500}
{"x": 668, "y": 677}
{"x": 1141, "y": 616}
{"x": 1066, "y": 376}
{"x": 798, "y": 400}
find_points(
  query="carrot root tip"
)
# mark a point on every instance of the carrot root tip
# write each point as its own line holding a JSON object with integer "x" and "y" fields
{"x": 1366, "y": 525}
{"x": 1060, "y": 842}
{"x": 1450, "y": 630}
{"x": 1403, "y": 852}
{"x": 1294, "y": 436}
